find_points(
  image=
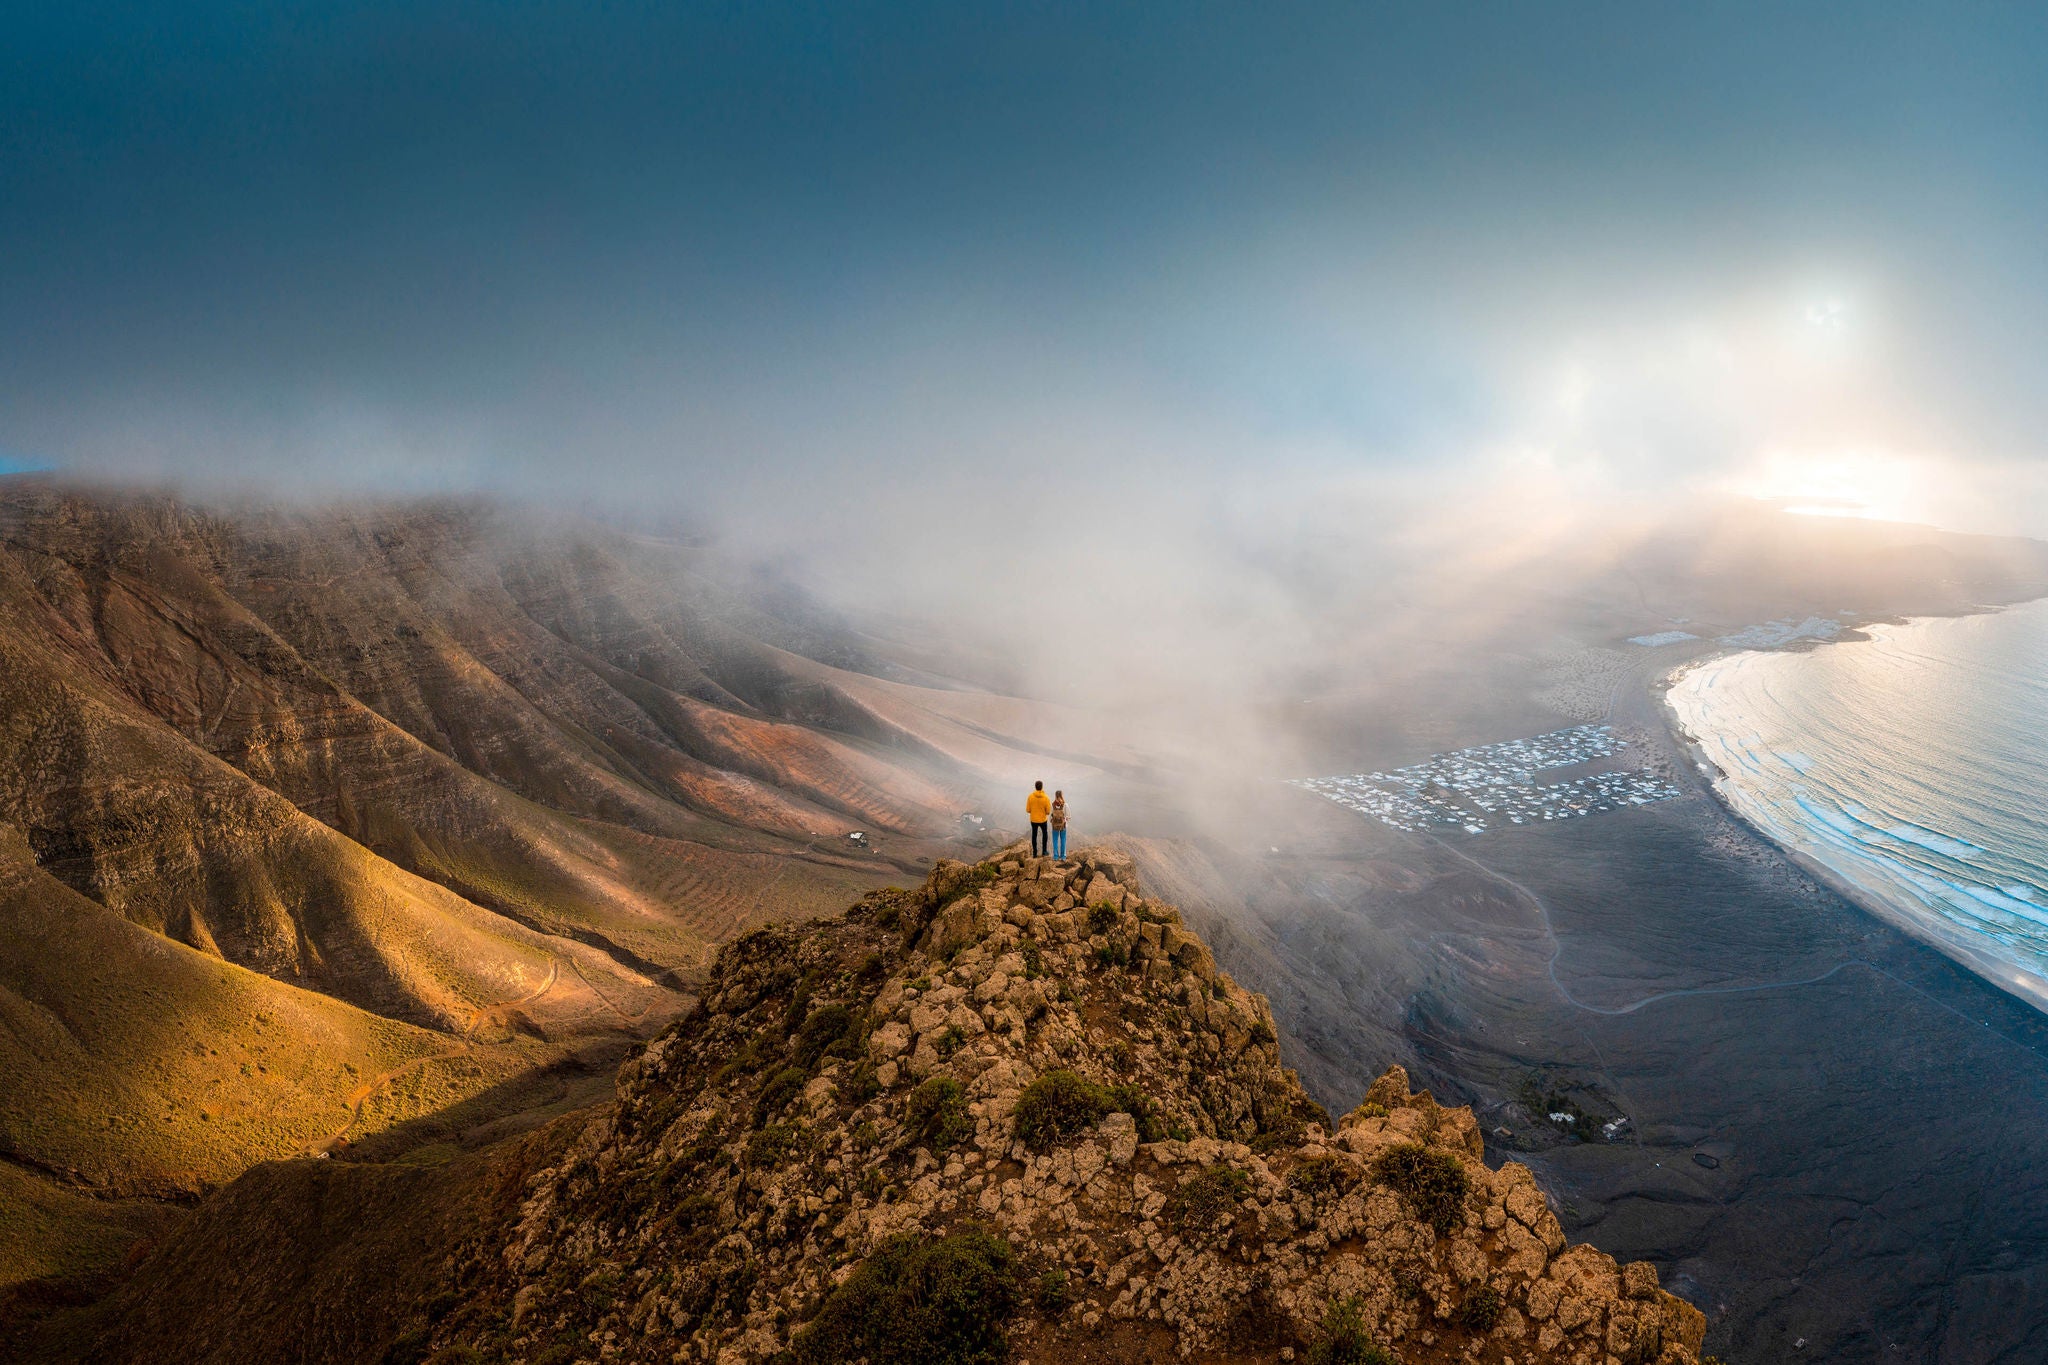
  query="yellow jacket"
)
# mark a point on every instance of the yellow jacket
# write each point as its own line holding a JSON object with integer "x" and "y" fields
{"x": 1038, "y": 805}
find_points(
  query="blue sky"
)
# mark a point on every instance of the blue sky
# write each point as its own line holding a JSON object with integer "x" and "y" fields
{"x": 769, "y": 262}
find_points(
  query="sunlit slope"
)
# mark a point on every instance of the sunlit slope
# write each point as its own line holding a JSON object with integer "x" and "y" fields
{"x": 125, "y": 813}
{"x": 142, "y": 1065}
{"x": 47, "y": 1229}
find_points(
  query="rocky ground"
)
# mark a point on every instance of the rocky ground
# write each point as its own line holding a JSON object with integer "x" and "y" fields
{"x": 1030, "y": 1083}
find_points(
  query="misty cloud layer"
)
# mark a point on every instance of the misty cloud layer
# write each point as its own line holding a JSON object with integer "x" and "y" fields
{"x": 916, "y": 290}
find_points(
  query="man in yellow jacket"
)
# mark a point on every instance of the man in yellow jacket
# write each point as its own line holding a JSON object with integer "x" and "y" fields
{"x": 1039, "y": 807}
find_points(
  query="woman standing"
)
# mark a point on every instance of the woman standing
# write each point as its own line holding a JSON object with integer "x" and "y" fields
{"x": 1059, "y": 824}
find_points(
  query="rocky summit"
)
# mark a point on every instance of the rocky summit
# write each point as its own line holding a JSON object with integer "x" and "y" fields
{"x": 1018, "y": 1114}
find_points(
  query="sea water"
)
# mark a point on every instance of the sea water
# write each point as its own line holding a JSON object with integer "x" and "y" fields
{"x": 1912, "y": 767}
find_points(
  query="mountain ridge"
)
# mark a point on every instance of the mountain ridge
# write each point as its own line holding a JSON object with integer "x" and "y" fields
{"x": 1023, "y": 1072}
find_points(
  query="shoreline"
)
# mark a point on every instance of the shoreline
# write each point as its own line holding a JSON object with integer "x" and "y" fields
{"x": 2004, "y": 976}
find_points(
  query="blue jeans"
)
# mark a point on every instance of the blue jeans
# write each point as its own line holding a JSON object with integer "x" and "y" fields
{"x": 1059, "y": 842}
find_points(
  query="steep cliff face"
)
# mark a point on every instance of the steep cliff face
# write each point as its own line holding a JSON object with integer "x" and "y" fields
{"x": 1016, "y": 1114}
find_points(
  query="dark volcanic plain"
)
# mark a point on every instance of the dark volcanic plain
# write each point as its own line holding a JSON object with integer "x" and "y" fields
{"x": 1836, "y": 1139}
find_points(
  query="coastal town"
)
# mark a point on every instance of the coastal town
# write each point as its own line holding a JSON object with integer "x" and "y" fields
{"x": 1478, "y": 788}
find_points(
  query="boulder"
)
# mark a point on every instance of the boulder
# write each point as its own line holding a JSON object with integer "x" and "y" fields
{"x": 890, "y": 1040}
{"x": 1103, "y": 891}
{"x": 948, "y": 876}
{"x": 1120, "y": 1134}
{"x": 1114, "y": 866}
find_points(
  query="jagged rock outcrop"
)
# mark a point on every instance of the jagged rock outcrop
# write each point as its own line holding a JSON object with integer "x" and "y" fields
{"x": 1037, "y": 1051}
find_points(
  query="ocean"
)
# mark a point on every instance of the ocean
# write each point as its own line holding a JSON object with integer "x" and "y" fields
{"x": 1911, "y": 767}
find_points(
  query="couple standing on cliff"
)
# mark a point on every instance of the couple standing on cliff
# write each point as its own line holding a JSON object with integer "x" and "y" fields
{"x": 1048, "y": 821}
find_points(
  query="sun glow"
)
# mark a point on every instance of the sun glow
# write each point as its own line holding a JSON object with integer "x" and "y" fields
{"x": 1874, "y": 484}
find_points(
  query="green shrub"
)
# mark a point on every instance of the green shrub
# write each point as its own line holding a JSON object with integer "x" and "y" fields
{"x": 1481, "y": 1309}
{"x": 1203, "y": 1199}
{"x": 1053, "y": 1293}
{"x": 775, "y": 1144}
{"x": 872, "y": 968}
{"x": 824, "y": 1031}
{"x": 783, "y": 1087}
{"x": 860, "y": 1085}
{"x": 1320, "y": 1175}
{"x": 408, "y": 1347}
{"x": 689, "y": 1218}
{"x": 1286, "y": 1128}
{"x": 1102, "y": 917}
{"x": 1115, "y": 953}
{"x": 746, "y": 1061}
{"x": 949, "y": 1042}
{"x": 1060, "y": 1105}
{"x": 1034, "y": 961}
{"x": 1345, "y": 1340}
{"x": 919, "y": 1302}
{"x": 937, "y": 1113}
{"x": 1433, "y": 1183}
{"x": 799, "y": 1006}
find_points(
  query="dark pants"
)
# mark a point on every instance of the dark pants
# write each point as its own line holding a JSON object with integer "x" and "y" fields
{"x": 1041, "y": 840}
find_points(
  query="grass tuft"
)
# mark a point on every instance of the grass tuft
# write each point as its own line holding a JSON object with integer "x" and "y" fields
{"x": 1061, "y": 1105}
{"x": 1433, "y": 1183}
{"x": 937, "y": 1113}
{"x": 1345, "y": 1340}
{"x": 1203, "y": 1200}
{"x": 1481, "y": 1309}
{"x": 919, "y": 1302}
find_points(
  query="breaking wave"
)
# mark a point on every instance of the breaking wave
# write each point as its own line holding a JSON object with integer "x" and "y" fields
{"x": 1912, "y": 766}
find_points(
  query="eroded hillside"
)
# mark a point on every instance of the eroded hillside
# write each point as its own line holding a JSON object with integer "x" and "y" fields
{"x": 317, "y": 824}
